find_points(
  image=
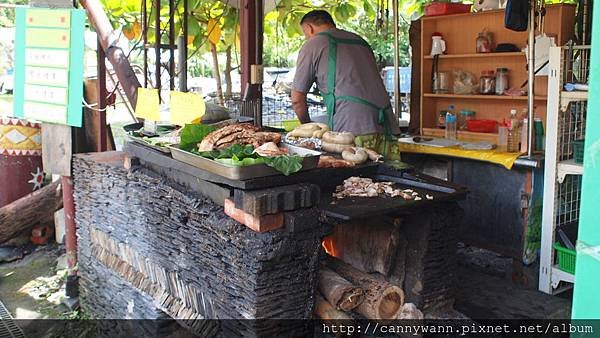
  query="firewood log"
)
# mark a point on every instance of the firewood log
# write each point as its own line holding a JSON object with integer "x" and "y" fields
{"x": 339, "y": 292}
{"x": 382, "y": 299}
{"x": 326, "y": 311}
{"x": 26, "y": 212}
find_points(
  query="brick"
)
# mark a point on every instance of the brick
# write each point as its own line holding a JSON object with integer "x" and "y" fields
{"x": 257, "y": 223}
{"x": 275, "y": 200}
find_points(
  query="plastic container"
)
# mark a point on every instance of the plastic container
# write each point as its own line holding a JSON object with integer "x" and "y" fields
{"x": 451, "y": 126}
{"x": 463, "y": 117}
{"x": 487, "y": 83}
{"x": 502, "y": 138}
{"x": 566, "y": 258}
{"x": 578, "y": 146}
{"x": 501, "y": 80}
{"x": 445, "y": 8}
{"x": 482, "y": 126}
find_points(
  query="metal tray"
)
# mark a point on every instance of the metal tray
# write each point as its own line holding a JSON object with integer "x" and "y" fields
{"x": 141, "y": 141}
{"x": 311, "y": 160}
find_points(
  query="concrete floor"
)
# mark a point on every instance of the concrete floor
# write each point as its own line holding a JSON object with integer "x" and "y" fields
{"x": 485, "y": 291}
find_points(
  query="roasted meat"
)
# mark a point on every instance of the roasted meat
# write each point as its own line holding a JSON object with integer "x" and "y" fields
{"x": 237, "y": 134}
{"x": 209, "y": 142}
{"x": 270, "y": 149}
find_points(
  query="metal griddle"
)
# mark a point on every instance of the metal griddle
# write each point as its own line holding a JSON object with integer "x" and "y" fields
{"x": 352, "y": 208}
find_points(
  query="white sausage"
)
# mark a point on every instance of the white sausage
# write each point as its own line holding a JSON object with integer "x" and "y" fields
{"x": 339, "y": 137}
{"x": 334, "y": 147}
{"x": 355, "y": 155}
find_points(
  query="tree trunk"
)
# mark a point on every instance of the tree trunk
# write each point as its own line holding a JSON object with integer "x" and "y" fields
{"x": 339, "y": 292}
{"x": 382, "y": 299}
{"x": 213, "y": 50}
{"x": 26, "y": 212}
{"x": 228, "y": 70}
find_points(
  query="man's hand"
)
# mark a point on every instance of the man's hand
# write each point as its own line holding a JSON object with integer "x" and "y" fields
{"x": 300, "y": 106}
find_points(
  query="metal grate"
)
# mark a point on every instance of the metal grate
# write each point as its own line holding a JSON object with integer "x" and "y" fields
{"x": 276, "y": 109}
{"x": 576, "y": 63}
{"x": 8, "y": 328}
{"x": 568, "y": 198}
{"x": 571, "y": 128}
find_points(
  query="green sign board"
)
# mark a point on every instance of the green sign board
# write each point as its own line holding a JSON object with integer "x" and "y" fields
{"x": 49, "y": 51}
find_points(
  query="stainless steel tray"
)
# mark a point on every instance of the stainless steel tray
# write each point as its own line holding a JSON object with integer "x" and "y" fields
{"x": 311, "y": 159}
{"x": 141, "y": 141}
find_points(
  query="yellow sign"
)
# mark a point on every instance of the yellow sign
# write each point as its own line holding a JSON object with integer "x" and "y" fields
{"x": 186, "y": 107}
{"x": 147, "y": 106}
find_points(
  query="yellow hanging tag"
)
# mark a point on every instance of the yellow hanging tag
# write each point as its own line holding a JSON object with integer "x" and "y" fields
{"x": 186, "y": 107}
{"x": 147, "y": 106}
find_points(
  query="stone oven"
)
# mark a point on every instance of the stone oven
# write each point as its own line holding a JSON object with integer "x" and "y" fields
{"x": 156, "y": 241}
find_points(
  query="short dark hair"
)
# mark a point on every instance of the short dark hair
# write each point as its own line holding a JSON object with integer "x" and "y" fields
{"x": 317, "y": 17}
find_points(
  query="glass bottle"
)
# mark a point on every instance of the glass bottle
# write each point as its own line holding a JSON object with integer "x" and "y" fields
{"x": 487, "y": 83}
{"x": 501, "y": 80}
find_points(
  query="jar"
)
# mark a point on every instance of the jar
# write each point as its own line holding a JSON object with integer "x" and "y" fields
{"x": 442, "y": 119}
{"x": 487, "y": 83}
{"x": 463, "y": 117}
{"x": 483, "y": 42}
{"x": 501, "y": 80}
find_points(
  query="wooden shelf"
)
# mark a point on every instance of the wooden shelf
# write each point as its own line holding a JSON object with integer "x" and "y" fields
{"x": 482, "y": 97}
{"x": 462, "y": 135}
{"x": 477, "y": 55}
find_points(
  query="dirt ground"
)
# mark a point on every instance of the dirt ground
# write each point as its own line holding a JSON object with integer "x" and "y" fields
{"x": 33, "y": 287}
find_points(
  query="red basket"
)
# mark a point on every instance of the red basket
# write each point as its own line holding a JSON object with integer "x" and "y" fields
{"x": 445, "y": 8}
{"x": 482, "y": 126}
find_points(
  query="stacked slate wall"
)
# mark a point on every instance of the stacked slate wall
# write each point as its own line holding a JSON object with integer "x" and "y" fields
{"x": 177, "y": 248}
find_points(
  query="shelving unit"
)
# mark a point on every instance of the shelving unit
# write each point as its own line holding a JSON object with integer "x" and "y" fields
{"x": 460, "y": 32}
{"x": 562, "y": 175}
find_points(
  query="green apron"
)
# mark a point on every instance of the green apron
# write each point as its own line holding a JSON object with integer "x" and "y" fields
{"x": 383, "y": 145}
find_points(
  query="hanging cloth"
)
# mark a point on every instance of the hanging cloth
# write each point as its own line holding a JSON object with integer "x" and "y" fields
{"x": 516, "y": 15}
{"x": 331, "y": 98}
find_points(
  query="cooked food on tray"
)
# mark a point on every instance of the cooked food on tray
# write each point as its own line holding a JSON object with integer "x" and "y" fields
{"x": 270, "y": 149}
{"x": 309, "y": 130}
{"x": 241, "y": 133}
{"x": 366, "y": 187}
{"x": 332, "y": 162}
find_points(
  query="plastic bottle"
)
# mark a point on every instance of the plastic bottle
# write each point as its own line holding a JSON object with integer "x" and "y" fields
{"x": 450, "y": 126}
{"x": 503, "y": 136}
{"x": 524, "y": 134}
{"x": 513, "y": 132}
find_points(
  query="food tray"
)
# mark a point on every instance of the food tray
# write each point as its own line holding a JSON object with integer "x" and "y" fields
{"x": 311, "y": 159}
{"x": 141, "y": 141}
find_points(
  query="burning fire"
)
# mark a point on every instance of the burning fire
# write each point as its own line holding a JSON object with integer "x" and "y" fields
{"x": 328, "y": 245}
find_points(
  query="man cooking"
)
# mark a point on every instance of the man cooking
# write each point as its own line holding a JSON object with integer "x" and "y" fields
{"x": 343, "y": 66}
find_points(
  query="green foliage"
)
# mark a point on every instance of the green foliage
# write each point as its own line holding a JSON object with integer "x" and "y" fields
{"x": 7, "y": 15}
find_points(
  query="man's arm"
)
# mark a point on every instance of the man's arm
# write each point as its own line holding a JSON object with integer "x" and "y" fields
{"x": 300, "y": 106}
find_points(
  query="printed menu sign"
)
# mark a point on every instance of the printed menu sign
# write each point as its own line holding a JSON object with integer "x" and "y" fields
{"x": 49, "y": 55}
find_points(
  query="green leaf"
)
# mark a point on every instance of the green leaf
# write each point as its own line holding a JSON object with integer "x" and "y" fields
{"x": 192, "y": 134}
{"x": 285, "y": 164}
{"x": 369, "y": 11}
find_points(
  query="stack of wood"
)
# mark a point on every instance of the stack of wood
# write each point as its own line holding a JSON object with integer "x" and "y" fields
{"x": 344, "y": 289}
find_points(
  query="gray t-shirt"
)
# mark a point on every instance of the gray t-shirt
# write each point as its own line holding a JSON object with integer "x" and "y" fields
{"x": 356, "y": 75}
